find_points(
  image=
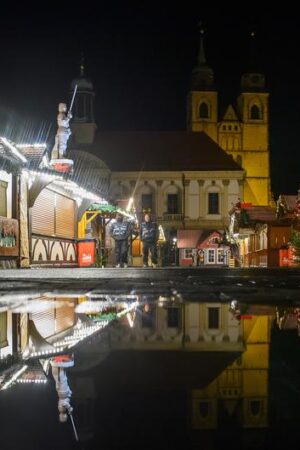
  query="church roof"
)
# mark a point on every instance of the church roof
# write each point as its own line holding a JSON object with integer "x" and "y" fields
{"x": 160, "y": 151}
{"x": 83, "y": 84}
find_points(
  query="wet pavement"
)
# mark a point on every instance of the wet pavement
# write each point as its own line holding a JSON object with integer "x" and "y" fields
{"x": 209, "y": 284}
{"x": 191, "y": 359}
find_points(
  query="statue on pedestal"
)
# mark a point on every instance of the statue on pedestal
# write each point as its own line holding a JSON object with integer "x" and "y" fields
{"x": 63, "y": 132}
{"x": 58, "y": 155}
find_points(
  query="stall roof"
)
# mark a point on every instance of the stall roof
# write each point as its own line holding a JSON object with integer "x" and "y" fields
{"x": 188, "y": 238}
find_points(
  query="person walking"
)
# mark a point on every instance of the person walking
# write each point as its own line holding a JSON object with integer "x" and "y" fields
{"x": 120, "y": 231}
{"x": 149, "y": 235}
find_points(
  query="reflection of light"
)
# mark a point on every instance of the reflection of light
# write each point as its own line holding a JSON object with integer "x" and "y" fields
{"x": 131, "y": 319}
{"x": 130, "y": 202}
{"x": 14, "y": 377}
{"x": 81, "y": 331}
{"x": 35, "y": 145}
{"x": 161, "y": 233}
{"x": 126, "y": 214}
{"x": 32, "y": 381}
{"x": 174, "y": 240}
{"x": 93, "y": 307}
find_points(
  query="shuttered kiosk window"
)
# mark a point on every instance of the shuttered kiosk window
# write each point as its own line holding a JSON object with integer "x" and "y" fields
{"x": 3, "y": 329}
{"x": 54, "y": 316}
{"x": 43, "y": 212}
{"x": 3, "y": 198}
{"x": 53, "y": 214}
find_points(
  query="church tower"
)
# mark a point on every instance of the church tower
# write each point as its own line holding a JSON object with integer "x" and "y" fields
{"x": 202, "y": 103}
{"x": 253, "y": 110}
{"x": 83, "y": 122}
{"x": 243, "y": 132}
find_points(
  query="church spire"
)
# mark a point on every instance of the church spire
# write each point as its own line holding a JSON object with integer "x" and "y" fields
{"x": 201, "y": 54}
{"x": 82, "y": 68}
{"x": 203, "y": 75}
{"x": 253, "y": 78}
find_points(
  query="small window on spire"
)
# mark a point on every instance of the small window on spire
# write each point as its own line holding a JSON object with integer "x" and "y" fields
{"x": 203, "y": 111}
{"x": 255, "y": 113}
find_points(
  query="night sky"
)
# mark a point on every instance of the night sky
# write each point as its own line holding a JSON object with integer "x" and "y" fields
{"x": 140, "y": 56}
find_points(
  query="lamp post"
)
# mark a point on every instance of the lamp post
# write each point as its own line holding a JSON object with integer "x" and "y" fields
{"x": 175, "y": 249}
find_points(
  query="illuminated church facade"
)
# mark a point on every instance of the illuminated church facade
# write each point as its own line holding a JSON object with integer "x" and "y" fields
{"x": 243, "y": 131}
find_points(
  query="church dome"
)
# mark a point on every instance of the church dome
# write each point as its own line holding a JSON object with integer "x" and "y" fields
{"x": 84, "y": 84}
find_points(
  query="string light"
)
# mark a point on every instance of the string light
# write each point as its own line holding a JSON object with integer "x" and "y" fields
{"x": 13, "y": 149}
{"x": 35, "y": 145}
{"x": 14, "y": 377}
{"x": 80, "y": 332}
{"x": 68, "y": 185}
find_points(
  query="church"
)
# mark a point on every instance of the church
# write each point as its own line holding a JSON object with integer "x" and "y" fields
{"x": 188, "y": 180}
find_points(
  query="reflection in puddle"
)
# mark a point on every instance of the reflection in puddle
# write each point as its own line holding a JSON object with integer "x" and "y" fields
{"x": 200, "y": 369}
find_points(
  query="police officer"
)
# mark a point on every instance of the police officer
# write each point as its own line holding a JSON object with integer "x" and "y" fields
{"x": 149, "y": 234}
{"x": 120, "y": 231}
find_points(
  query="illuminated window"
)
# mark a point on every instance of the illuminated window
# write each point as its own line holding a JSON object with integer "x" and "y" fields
{"x": 220, "y": 256}
{"x": 188, "y": 253}
{"x": 203, "y": 111}
{"x": 211, "y": 255}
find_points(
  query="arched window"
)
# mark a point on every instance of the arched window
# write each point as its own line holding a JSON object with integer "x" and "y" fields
{"x": 255, "y": 112}
{"x": 203, "y": 111}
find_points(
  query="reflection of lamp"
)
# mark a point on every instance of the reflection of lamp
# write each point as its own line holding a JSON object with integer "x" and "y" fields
{"x": 174, "y": 240}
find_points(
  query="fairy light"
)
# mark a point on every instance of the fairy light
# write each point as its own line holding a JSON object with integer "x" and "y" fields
{"x": 35, "y": 145}
{"x": 68, "y": 185}
{"x": 31, "y": 381}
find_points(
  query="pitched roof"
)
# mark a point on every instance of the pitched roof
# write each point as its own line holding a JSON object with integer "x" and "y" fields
{"x": 193, "y": 238}
{"x": 160, "y": 151}
{"x": 291, "y": 201}
{"x": 188, "y": 238}
{"x": 261, "y": 214}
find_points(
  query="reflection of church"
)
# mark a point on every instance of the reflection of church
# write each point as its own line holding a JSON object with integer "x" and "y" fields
{"x": 164, "y": 362}
{"x": 238, "y": 388}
